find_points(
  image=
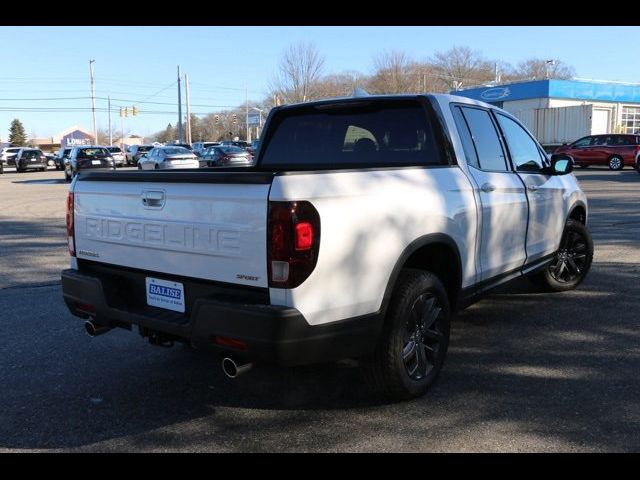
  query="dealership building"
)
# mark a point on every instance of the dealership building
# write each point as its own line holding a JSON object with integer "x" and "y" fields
{"x": 559, "y": 111}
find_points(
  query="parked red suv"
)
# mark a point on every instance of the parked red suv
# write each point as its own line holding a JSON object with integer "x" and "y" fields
{"x": 614, "y": 150}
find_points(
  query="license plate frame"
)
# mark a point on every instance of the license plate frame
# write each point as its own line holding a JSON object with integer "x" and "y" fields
{"x": 165, "y": 294}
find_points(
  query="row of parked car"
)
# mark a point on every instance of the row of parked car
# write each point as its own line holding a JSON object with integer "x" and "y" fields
{"x": 145, "y": 157}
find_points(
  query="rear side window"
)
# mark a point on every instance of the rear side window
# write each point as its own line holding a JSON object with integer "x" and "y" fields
{"x": 465, "y": 137}
{"x": 357, "y": 134}
{"x": 485, "y": 139}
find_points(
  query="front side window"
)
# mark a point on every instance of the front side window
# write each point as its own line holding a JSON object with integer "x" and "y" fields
{"x": 524, "y": 151}
{"x": 485, "y": 139}
{"x": 583, "y": 142}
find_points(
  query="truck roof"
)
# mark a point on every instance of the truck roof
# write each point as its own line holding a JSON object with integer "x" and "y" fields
{"x": 442, "y": 98}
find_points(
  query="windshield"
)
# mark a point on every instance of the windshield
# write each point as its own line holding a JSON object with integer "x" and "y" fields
{"x": 144, "y": 148}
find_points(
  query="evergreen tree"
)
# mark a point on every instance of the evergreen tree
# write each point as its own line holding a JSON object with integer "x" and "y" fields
{"x": 17, "y": 135}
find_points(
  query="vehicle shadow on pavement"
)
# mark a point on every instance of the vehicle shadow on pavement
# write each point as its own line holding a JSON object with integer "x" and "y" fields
{"x": 550, "y": 370}
{"x": 32, "y": 251}
{"x": 42, "y": 181}
{"x": 596, "y": 174}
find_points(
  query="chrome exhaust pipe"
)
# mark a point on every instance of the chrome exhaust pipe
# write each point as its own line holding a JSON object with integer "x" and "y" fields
{"x": 232, "y": 370}
{"x": 95, "y": 329}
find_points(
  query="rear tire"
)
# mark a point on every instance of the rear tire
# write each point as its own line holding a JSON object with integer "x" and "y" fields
{"x": 616, "y": 163}
{"x": 414, "y": 339}
{"x": 572, "y": 261}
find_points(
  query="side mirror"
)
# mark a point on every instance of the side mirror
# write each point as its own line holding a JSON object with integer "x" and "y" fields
{"x": 561, "y": 164}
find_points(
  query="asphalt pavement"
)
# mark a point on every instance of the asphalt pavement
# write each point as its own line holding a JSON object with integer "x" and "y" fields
{"x": 526, "y": 371}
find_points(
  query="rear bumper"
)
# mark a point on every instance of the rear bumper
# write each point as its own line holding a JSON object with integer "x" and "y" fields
{"x": 273, "y": 334}
{"x": 29, "y": 165}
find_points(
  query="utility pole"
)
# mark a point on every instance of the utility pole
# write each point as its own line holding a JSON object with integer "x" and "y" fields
{"x": 93, "y": 103}
{"x": 186, "y": 93}
{"x": 179, "y": 109}
{"x": 424, "y": 82}
{"x": 110, "y": 135}
{"x": 497, "y": 73}
{"x": 246, "y": 114}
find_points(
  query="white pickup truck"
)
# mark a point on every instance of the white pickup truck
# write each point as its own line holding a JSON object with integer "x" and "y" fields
{"x": 364, "y": 225}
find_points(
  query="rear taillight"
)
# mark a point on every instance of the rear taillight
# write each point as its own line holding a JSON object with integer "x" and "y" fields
{"x": 293, "y": 243}
{"x": 70, "y": 229}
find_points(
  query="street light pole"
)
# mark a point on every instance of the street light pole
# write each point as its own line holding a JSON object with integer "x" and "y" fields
{"x": 186, "y": 91}
{"x": 179, "y": 109}
{"x": 246, "y": 115}
{"x": 110, "y": 135}
{"x": 93, "y": 103}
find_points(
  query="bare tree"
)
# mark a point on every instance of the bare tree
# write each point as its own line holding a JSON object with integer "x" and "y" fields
{"x": 539, "y": 68}
{"x": 341, "y": 84}
{"x": 394, "y": 73}
{"x": 461, "y": 66}
{"x": 299, "y": 72}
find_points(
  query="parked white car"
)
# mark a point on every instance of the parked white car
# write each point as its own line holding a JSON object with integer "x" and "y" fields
{"x": 365, "y": 224}
{"x": 118, "y": 156}
{"x": 8, "y": 155}
{"x": 168, "y": 158}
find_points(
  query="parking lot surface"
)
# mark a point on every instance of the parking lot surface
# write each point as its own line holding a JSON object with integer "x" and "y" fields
{"x": 526, "y": 371}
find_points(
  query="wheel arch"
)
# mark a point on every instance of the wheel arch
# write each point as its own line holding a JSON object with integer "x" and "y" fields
{"x": 578, "y": 212}
{"x": 435, "y": 253}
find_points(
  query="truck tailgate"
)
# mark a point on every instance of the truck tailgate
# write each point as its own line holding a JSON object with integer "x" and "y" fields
{"x": 209, "y": 225}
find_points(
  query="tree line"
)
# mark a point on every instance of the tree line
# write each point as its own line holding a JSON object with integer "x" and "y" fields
{"x": 301, "y": 77}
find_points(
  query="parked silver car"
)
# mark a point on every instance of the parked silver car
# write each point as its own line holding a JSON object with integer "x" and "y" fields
{"x": 118, "y": 156}
{"x": 166, "y": 158}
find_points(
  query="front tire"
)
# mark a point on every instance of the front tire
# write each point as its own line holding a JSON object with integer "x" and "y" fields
{"x": 572, "y": 261}
{"x": 616, "y": 163}
{"x": 414, "y": 339}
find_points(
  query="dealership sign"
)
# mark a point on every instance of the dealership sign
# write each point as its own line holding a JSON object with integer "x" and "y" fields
{"x": 253, "y": 119}
{"x": 497, "y": 93}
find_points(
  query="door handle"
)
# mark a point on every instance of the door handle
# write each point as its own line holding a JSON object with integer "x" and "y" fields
{"x": 487, "y": 187}
{"x": 532, "y": 188}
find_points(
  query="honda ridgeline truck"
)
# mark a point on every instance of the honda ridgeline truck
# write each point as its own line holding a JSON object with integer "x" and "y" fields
{"x": 365, "y": 223}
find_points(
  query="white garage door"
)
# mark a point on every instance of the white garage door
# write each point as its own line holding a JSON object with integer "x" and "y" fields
{"x": 600, "y": 121}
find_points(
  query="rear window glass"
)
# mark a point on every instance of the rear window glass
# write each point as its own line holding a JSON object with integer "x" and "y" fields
{"x": 114, "y": 149}
{"x": 144, "y": 149}
{"x": 31, "y": 153}
{"x": 175, "y": 150}
{"x": 358, "y": 134}
{"x": 231, "y": 149}
{"x": 92, "y": 153}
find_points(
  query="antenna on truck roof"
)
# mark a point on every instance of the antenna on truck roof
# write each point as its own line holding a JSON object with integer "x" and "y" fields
{"x": 360, "y": 92}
